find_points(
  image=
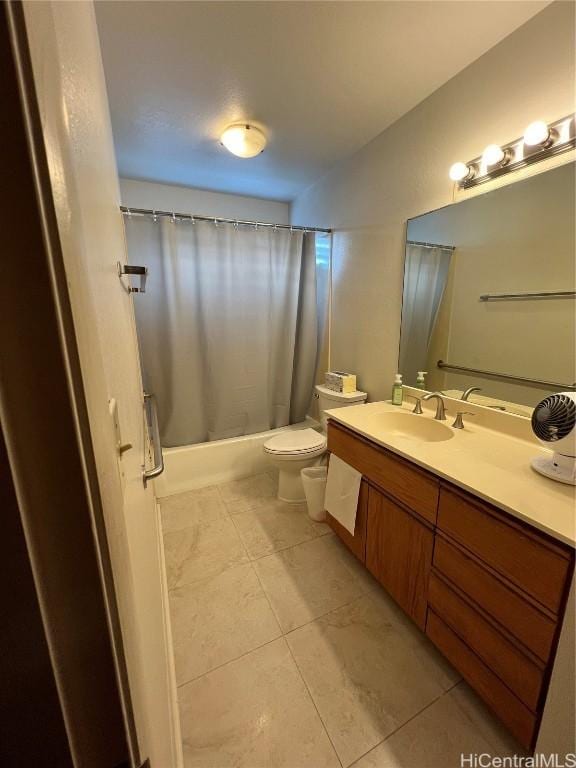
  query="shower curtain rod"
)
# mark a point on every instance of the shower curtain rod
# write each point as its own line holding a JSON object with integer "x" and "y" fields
{"x": 216, "y": 219}
{"x": 431, "y": 245}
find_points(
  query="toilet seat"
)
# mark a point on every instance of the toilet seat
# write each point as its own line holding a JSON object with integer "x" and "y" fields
{"x": 296, "y": 442}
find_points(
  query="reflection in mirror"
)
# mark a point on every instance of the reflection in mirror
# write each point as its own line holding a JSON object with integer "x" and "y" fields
{"x": 489, "y": 294}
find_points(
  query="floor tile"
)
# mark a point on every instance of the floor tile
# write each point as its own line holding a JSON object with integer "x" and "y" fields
{"x": 310, "y": 579}
{"x": 485, "y": 722}
{"x": 202, "y": 550}
{"x": 253, "y": 713}
{"x": 249, "y": 493}
{"x": 184, "y": 509}
{"x": 219, "y": 619}
{"x": 367, "y": 674}
{"x": 454, "y": 725}
{"x": 379, "y": 685}
{"x": 276, "y": 525}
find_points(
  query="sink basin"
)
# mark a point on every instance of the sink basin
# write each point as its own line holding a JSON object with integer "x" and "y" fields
{"x": 411, "y": 427}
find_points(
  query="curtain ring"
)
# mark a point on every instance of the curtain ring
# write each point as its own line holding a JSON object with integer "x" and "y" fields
{"x": 236, "y": 224}
{"x": 154, "y": 216}
{"x": 216, "y": 222}
{"x": 192, "y": 219}
{"x": 129, "y": 212}
{"x": 173, "y": 218}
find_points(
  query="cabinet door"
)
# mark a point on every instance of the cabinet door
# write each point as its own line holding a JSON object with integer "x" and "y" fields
{"x": 399, "y": 554}
{"x": 357, "y": 543}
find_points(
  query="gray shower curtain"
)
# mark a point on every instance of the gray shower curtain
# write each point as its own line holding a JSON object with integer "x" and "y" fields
{"x": 425, "y": 276}
{"x": 228, "y": 326}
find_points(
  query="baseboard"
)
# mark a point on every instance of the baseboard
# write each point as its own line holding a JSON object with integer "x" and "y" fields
{"x": 176, "y": 734}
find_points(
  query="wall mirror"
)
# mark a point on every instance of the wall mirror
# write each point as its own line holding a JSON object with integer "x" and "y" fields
{"x": 490, "y": 294}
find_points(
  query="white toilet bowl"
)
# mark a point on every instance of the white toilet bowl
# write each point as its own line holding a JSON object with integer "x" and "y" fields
{"x": 297, "y": 449}
{"x": 290, "y": 452}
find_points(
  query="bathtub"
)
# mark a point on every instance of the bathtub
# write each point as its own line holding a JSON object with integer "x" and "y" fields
{"x": 197, "y": 466}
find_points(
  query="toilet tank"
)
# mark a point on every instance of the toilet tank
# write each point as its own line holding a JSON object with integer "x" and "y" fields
{"x": 328, "y": 400}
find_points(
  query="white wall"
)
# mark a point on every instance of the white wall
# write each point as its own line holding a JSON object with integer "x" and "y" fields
{"x": 169, "y": 197}
{"x": 404, "y": 172}
{"x": 76, "y": 125}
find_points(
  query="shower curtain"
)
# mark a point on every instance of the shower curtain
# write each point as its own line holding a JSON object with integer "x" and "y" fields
{"x": 425, "y": 275}
{"x": 228, "y": 326}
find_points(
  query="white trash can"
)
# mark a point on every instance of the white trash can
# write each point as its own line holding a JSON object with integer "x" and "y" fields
{"x": 314, "y": 482}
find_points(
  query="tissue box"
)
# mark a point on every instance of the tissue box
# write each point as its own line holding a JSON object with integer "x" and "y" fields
{"x": 340, "y": 381}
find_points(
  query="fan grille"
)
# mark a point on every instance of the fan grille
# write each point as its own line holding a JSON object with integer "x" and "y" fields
{"x": 554, "y": 418}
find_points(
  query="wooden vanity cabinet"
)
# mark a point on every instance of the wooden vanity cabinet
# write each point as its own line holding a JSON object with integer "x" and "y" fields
{"x": 488, "y": 589}
{"x": 496, "y": 600}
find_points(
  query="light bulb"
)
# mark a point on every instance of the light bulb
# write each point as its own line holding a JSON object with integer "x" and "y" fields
{"x": 536, "y": 133}
{"x": 461, "y": 171}
{"x": 243, "y": 140}
{"x": 493, "y": 155}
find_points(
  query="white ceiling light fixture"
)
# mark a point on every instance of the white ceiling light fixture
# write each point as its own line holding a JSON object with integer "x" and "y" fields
{"x": 537, "y": 134}
{"x": 243, "y": 140}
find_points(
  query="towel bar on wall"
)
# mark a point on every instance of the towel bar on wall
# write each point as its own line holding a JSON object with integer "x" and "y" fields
{"x": 152, "y": 420}
{"x": 553, "y": 385}
{"x": 539, "y": 295}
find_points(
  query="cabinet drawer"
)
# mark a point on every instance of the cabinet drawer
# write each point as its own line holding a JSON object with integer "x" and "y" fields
{"x": 517, "y": 615}
{"x": 517, "y": 717}
{"x": 357, "y": 543}
{"x": 515, "y": 669}
{"x": 530, "y": 561}
{"x": 412, "y": 487}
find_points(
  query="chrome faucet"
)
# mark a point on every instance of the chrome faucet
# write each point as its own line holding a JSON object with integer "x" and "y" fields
{"x": 440, "y": 409}
{"x": 466, "y": 394}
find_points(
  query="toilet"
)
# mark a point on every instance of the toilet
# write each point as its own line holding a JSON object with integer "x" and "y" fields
{"x": 296, "y": 449}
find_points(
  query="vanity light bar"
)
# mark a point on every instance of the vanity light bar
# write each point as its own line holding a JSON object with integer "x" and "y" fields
{"x": 540, "y": 141}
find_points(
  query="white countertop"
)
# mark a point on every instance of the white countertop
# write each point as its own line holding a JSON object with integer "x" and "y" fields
{"x": 486, "y": 462}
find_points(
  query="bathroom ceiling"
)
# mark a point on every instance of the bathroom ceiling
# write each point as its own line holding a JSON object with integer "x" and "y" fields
{"x": 323, "y": 78}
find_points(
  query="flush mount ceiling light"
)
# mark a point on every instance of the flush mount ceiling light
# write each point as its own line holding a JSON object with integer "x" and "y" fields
{"x": 243, "y": 140}
{"x": 540, "y": 141}
{"x": 537, "y": 134}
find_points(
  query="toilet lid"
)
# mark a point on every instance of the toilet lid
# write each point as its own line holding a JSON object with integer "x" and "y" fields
{"x": 295, "y": 441}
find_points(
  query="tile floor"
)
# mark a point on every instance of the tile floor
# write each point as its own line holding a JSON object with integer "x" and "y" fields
{"x": 289, "y": 655}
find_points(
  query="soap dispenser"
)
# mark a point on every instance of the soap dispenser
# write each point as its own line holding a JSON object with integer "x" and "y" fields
{"x": 420, "y": 380}
{"x": 397, "y": 392}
